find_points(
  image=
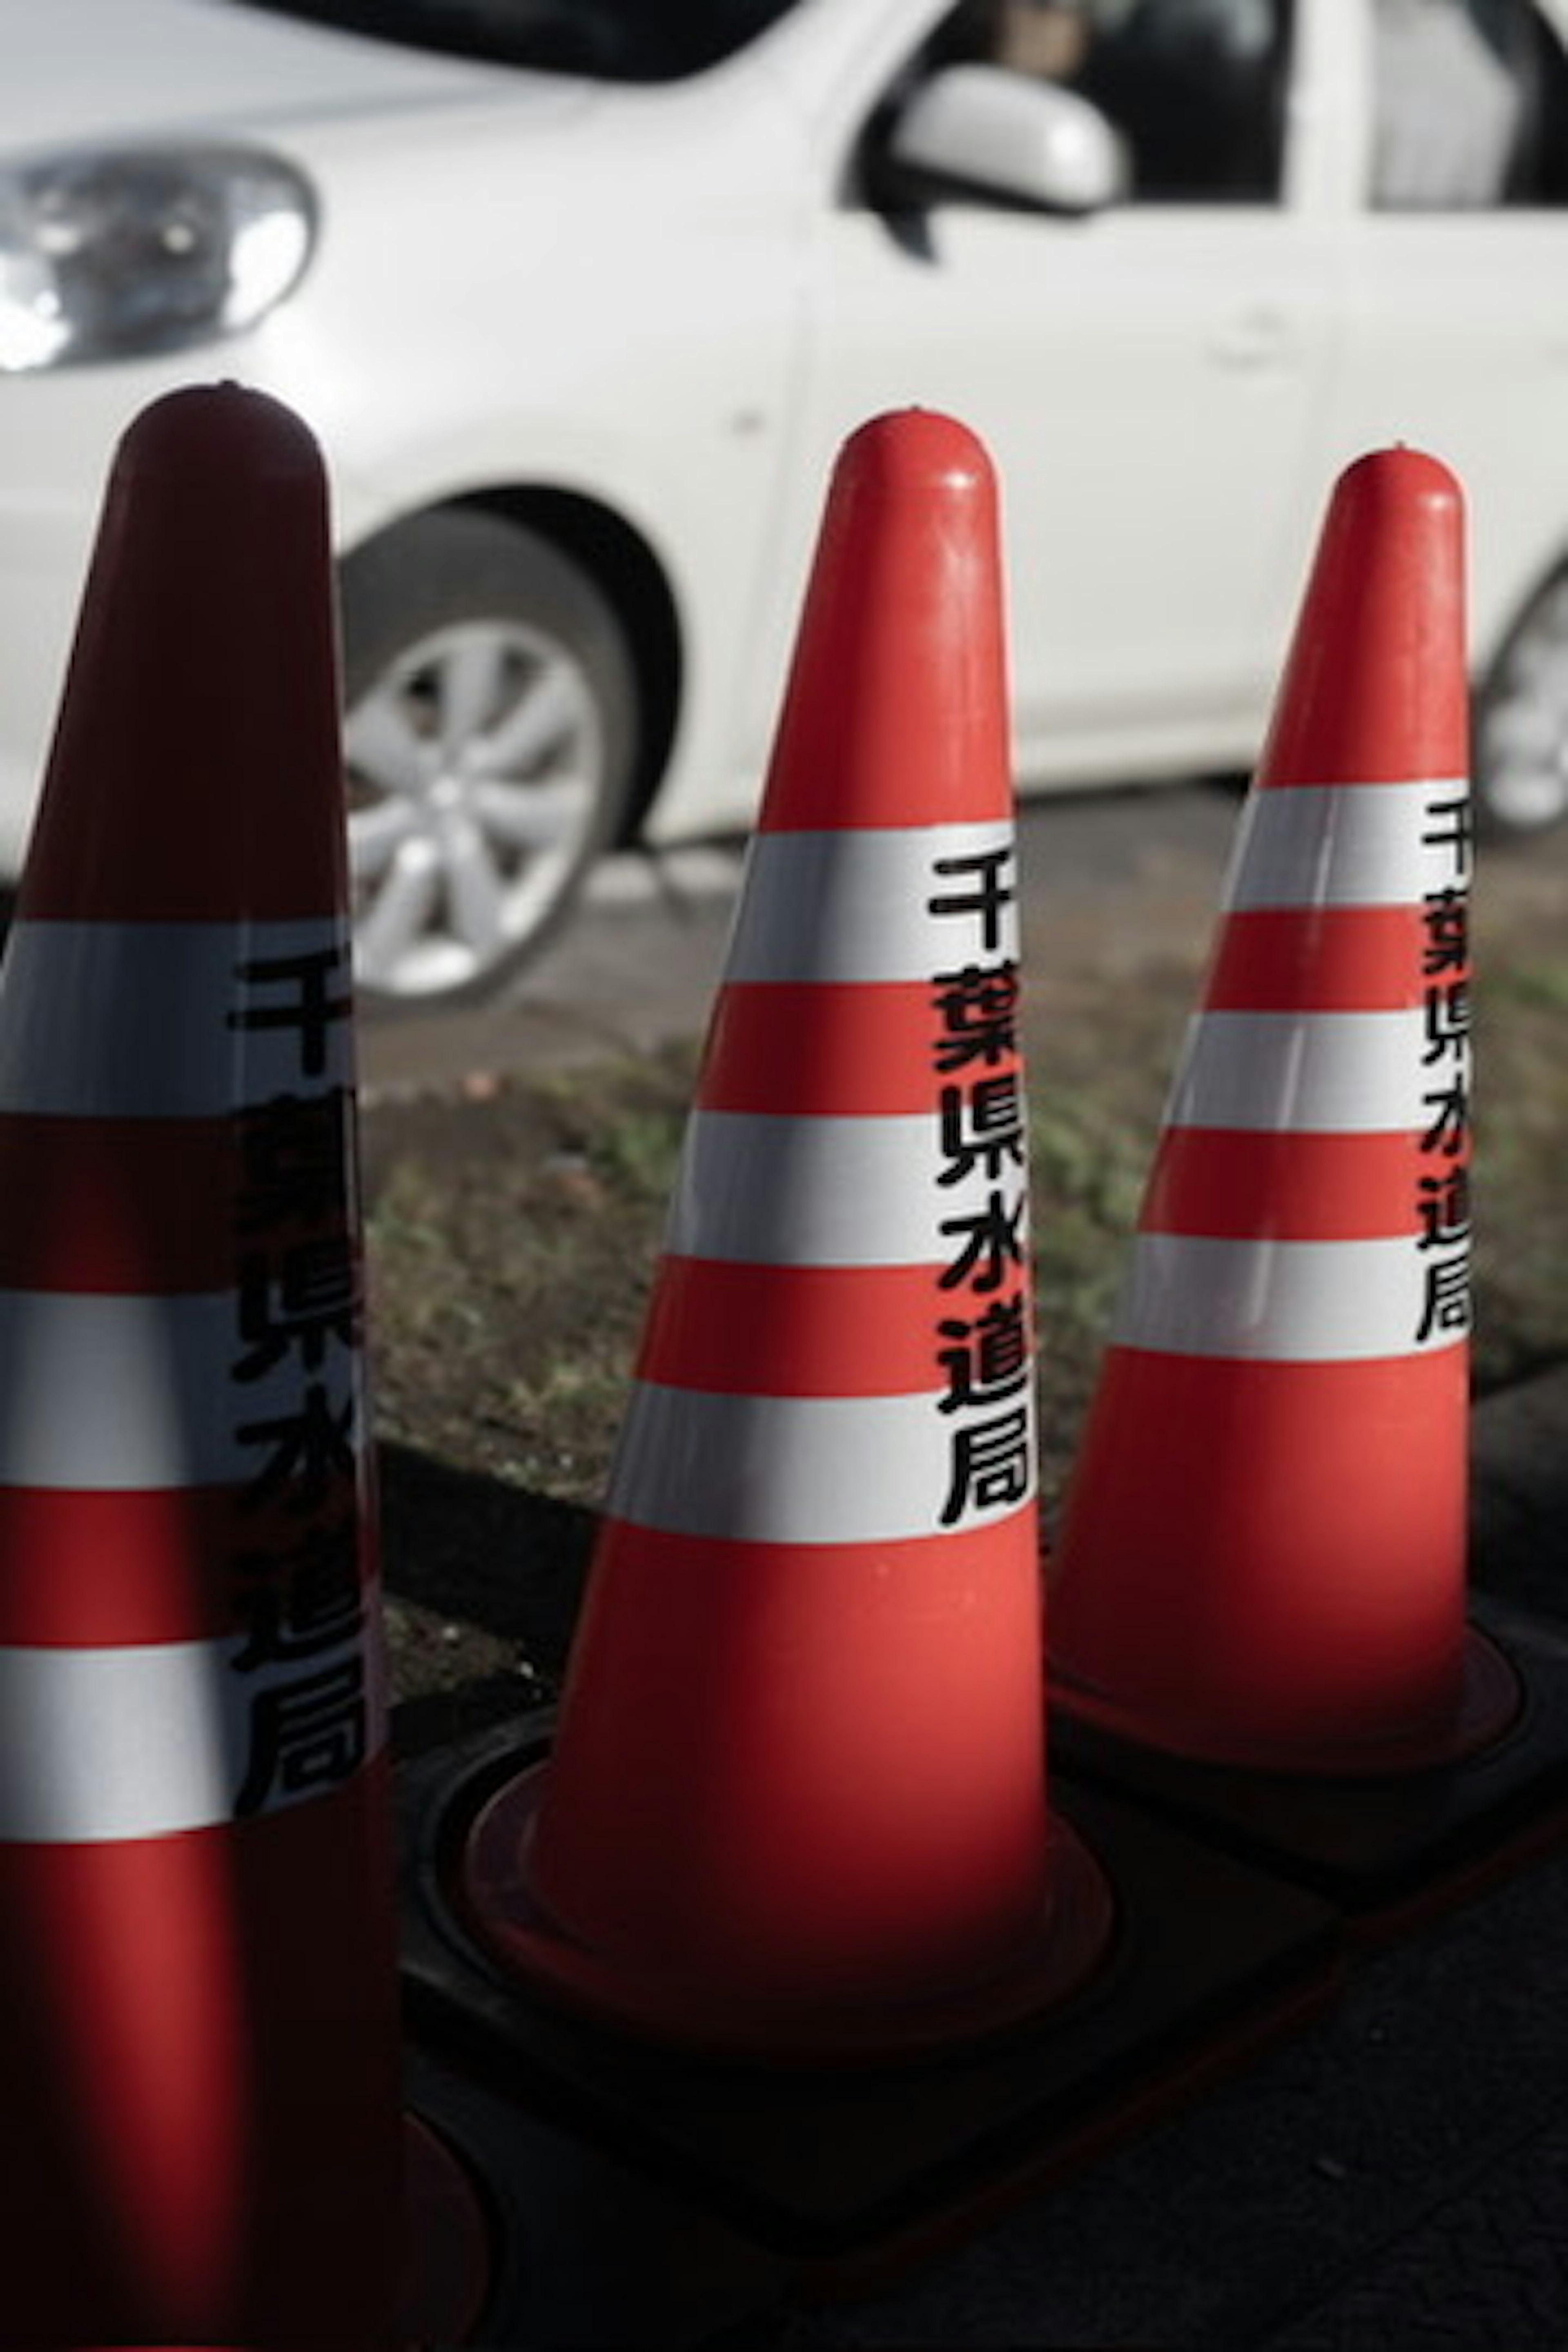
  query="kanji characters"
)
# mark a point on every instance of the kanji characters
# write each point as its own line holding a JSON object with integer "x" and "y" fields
{"x": 988, "y": 897}
{"x": 307, "y": 1734}
{"x": 993, "y": 1464}
{"x": 984, "y": 1356}
{"x": 1442, "y": 1204}
{"x": 312, "y": 996}
{"x": 298, "y": 1580}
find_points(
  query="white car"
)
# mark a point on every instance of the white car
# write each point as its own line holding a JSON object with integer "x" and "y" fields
{"x": 581, "y": 297}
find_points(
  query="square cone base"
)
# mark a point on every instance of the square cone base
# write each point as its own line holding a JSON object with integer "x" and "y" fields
{"x": 453, "y": 2246}
{"x": 847, "y": 2172}
{"x": 579, "y": 2248}
{"x": 1390, "y": 1850}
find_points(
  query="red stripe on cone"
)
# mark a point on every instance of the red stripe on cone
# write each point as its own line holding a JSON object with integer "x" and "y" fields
{"x": 799, "y": 1047}
{"x": 179, "y": 1564}
{"x": 839, "y": 1331}
{"x": 1263, "y": 1553}
{"x": 1285, "y": 1186}
{"x": 1323, "y": 960}
{"x": 161, "y": 1206}
{"x": 798, "y": 1798}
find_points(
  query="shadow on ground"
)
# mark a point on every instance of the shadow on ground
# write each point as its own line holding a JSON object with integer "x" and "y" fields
{"x": 484, "y": 1582}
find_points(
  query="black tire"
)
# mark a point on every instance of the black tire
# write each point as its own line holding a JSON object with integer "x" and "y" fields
{"x": 490, "y": 731}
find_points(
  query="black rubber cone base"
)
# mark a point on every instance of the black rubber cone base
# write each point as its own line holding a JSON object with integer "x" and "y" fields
{"x": 1389, "y": 1849}
{"x": 1210, "y": 1960}
{"x": 451, "y": 2249}
{"x": 582, "y": 2250}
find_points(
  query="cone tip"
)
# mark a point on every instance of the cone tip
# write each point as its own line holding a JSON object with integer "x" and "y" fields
{"x": 205, "y": 646}
{"x": 918, "y": 449}
{"x": 1402, "y": 473}
{"x": 207, "y": 431}
{"x": 1375, "y": 688}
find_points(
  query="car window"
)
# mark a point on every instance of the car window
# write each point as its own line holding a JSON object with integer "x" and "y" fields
{"x": 1197, "y": 87}
{"x": 1470, "y": 106}
{"x": 620, "y": 40}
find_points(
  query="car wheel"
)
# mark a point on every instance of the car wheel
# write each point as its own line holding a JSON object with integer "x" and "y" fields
{"x": 491, "y": 715}
{"x": 1521, "y": 722}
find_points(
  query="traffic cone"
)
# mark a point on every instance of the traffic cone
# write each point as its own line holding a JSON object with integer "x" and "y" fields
{"x": 200, "y": 2130}
{"x": 1263, "y": 1555}
{"x": 798, "y": 1796}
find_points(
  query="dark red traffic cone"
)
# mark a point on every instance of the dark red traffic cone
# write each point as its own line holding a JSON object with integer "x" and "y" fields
{"x": 200, "y": 2130}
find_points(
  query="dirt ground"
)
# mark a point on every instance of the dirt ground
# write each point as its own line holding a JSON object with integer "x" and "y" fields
{"x": 514, "y": 1224}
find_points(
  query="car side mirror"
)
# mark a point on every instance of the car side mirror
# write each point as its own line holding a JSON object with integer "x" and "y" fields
{"x": 1003, "y": 134}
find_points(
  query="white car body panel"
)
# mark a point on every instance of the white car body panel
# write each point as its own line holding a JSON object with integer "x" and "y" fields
{"x": 660, "y": 297}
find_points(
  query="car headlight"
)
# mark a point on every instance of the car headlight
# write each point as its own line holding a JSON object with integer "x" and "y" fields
{"x": 108, "y": 252}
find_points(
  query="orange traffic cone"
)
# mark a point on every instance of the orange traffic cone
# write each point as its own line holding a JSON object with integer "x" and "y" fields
{"x": 1263, "y": 1557}
{"x": 199, "y": 2118}
{"x": 797, "y": 1800}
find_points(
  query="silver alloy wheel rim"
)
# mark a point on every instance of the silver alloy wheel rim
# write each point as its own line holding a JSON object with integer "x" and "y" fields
{"x": 1521, "y": 728}
{"x": 476, "y": 764}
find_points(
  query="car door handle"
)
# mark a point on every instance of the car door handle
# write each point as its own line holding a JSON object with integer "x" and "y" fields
{"x": 1258, "y": 336}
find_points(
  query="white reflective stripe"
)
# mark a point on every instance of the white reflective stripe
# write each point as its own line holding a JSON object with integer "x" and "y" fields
{"x": 148, "y": 1740}
{"x": 808, "y": 1470}
{"x": 1345, "y": 845}
{"x": 1308, "y": 1073}
{"x": 773, "y": 1190}
{"x": 133, "y": 1020}
{"x": 858, "y": 906}
{"x": 100, "y": 1392}
{"x": 1301, "y": 1302}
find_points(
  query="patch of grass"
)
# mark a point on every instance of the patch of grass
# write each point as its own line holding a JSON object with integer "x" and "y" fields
{"x": 511, "y": 1251}
{"x": 1087, "y": 1166}
{"x": 1540, "y": 984}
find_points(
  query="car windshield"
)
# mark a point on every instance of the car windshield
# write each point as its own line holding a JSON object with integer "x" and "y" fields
{"x": 618, "y": 40}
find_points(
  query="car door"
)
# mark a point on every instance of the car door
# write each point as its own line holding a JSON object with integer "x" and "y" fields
{"x": 1149, "y": 379}
{"x": 1456, "y": 273}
